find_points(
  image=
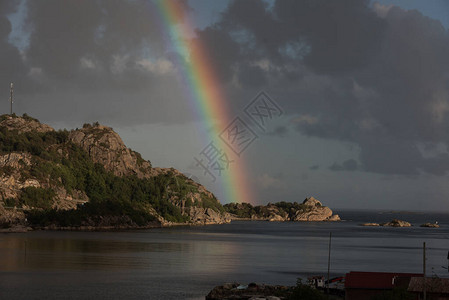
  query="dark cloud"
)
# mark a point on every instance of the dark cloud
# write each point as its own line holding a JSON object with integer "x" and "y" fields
{"x": 101, "y": 60}
{"x": 377, "y": 77}
{"x": 280, "y": 131}
{"x": 314, "y": 167}
{"x": 12, "y": 66}
{"x": 347, "y": 165}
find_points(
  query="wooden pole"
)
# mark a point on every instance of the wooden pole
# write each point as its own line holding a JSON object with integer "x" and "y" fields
{"x": 424, "y": 270}
{"x": 329, "y": 263}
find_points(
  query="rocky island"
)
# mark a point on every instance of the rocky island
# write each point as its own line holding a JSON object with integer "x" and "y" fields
{"x": 310, "y": 210}
{"x": 392, "y": 223}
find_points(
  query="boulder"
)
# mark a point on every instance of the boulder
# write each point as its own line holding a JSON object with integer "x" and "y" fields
{"x": 318, "y": 213}
{"x": 276, "y": 218}
{"x": 334, "y": 218}
{"x": 311, "y": 201}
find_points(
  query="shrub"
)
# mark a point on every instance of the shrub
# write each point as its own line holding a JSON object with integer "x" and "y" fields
{"x": 302, "y": 291}
{"x": 37, "y": 197}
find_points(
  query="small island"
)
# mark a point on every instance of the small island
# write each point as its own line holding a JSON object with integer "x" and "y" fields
{"x": 392, "y": 223}
{"x": 430, "y": 225}
{"x": 310, "y": 210}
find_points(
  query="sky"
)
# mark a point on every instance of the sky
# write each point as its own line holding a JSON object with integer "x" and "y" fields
{"x": 361, "y": 90}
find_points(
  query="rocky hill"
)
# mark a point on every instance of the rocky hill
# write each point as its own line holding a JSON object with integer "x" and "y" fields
{"x": 88, "y": 178}
{"x": 309, "y": 210}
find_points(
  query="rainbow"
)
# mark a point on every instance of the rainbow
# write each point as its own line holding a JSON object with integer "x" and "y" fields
{"x": 206, "y": 96}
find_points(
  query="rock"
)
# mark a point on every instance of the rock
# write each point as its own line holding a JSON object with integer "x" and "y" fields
{"x": 24, "y": 124}
{"x": 205, "y": 216}
{"x": 11, "y": 218}
{"x": 315, "y": 211}
{"x": 397, "y": 223}
{"x": 15, "y": 160}
{"x": 311, "y": 201}
{"x": 431, "y": 225}
{"x": 318, "y": 213}
{"x": 276, "y": 218}
{"x": 106, "y": 147}
{"x": 370, "y": 224}
{"x": 334, "y": 218}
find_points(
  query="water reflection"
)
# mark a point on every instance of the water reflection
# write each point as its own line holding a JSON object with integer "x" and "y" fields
{"x": 183, "y": 262}
{"x": 51, "y": 251}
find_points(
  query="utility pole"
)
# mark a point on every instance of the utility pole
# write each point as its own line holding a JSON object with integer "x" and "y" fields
{"x": 329, "y": 264}
{"x": 424, "y": 270}
{"x": 11, "y": 90}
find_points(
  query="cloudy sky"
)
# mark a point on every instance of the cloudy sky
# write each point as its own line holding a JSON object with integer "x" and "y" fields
{"x": 363, "y": 86}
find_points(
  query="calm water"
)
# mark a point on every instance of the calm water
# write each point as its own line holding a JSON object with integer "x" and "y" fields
{"x": 187, "y": 262}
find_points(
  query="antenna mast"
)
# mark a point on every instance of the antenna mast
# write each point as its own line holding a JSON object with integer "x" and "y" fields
{"x": 11, "y": 95}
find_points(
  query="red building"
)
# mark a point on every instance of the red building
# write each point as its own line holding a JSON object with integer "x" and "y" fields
{"x": 364, "y": 285}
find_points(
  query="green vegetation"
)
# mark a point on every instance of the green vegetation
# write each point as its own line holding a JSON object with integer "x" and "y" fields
{"x": 37, "y": 197}
{"x": 246, "y": 210}
{"x": 241, "y": 210}
{"x": 61, "y": 163}
{"x": 108, "y": 213}
{"x": 302, "y": 291}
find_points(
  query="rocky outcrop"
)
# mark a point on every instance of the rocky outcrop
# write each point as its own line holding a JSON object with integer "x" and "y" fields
{"x": 11, "y": 181}
{"x": 11, "y": 217}
{"x": 430, "y": 225}
{"x": 392, "y": 223}
{"x": 106, "y": 147}
{"x": 24, "y": 124}
{"x": 396, "y": 223}
{"x": 206, "y": 216}
{"x": 314, "y": 211}
{"x": 15, "y": 160}
{"x": 310, "y": 210}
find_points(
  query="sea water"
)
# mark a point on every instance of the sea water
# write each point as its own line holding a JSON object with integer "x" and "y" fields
{"x": 187, "y": 262}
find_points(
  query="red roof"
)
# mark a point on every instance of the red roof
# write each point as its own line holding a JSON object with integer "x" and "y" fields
{"x": 373, "y": 280}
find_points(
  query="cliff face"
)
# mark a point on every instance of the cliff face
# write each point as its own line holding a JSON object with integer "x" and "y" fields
{"x": 105, "y": 146}
{"x": 310, "y": 210}
{"x": 42, "y": 169}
